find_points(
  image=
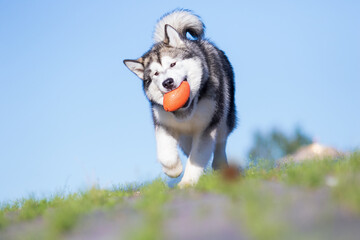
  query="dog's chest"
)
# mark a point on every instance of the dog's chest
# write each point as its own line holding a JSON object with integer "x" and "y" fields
{"x": 193, "y": 124}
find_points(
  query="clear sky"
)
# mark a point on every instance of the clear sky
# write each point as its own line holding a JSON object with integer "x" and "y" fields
{"x": 71, "y": 114}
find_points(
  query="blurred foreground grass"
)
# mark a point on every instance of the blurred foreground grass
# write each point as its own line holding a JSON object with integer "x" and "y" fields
{"x": 255, "y": 204}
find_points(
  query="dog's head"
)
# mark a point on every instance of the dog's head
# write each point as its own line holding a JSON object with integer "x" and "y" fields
{"x": 167, "y": 65}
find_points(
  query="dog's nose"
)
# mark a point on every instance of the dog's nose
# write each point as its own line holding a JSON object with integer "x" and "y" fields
{"x": 168, "y": 83}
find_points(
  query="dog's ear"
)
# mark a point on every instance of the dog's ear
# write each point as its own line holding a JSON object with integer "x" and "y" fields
{"x": 136, "y": 67}
{"x": 172, "y": 37}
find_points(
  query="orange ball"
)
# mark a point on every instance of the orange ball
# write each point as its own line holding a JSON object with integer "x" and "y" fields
{"x": 177, "y": 98}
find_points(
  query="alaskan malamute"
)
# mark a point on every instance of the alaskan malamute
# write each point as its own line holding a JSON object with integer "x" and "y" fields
{"x": 202, "y": 125}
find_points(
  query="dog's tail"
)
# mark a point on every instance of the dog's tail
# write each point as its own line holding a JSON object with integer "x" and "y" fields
{"x": 184, "y": 21}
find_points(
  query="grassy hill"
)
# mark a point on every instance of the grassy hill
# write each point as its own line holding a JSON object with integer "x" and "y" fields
{"x": 317, "y": 199}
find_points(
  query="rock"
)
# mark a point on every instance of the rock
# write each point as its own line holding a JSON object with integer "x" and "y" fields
{"x": 314, "y": 151}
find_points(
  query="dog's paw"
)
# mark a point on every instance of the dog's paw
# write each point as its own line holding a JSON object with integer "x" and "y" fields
{"x": 173, "y": 171}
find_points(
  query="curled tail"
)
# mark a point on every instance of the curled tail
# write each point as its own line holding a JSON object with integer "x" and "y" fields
{"x": 184, "y": 21}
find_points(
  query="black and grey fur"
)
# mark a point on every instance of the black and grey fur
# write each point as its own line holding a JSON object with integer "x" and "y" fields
{"x": 202, "y": 126}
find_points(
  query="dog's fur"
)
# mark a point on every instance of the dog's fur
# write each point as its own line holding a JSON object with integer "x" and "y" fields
{"x": 202, "y": 126}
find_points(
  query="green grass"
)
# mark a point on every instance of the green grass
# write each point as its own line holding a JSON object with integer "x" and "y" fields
{"x": 64, "y": 212}
{"x": 254, "y": 206}
{"x": 262, "y": 212}
{"x": 61, "y": 212}
{"x": 153, "y": 198}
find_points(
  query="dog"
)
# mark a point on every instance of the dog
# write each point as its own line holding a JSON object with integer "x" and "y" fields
{"x": 201, "y": 127}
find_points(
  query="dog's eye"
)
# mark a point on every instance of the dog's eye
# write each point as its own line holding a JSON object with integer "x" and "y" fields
{"x": 173, "y": 64}
{"x": 156, "y": 73}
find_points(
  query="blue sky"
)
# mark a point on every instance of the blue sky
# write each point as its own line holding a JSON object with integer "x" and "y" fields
{"x": 72, "y": 115}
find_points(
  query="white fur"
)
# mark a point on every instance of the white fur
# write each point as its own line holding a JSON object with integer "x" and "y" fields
{"x": 194, "y": 124}
{"x": 201, "y": 150}
{"x": 167, "y": 152}
{"x": 189, "y": 135}
{"x": 177, "y": 20}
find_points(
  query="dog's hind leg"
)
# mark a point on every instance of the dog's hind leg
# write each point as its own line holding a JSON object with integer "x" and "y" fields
{"x": 220, "y": 160}
{"x": 167, "y": 152}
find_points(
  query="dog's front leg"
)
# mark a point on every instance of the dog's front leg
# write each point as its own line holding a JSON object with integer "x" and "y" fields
{"x": 201, "y": 150}
{"x": 167, "y": 152}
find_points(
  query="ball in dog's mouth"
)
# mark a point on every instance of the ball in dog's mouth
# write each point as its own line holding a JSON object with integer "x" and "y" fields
{"x": 187, "y": 103}
{"x": 177, "y": 98}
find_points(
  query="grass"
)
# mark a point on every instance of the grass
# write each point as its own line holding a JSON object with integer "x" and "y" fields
{"x": 253, "y": 205}
{"x": 263, "y": 213}
{"x": 64, "y": 212}
{"x": 153, "y": 198}
{"x": 61, "y": 212}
